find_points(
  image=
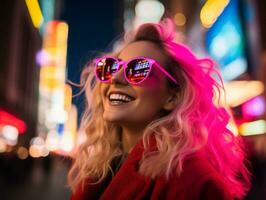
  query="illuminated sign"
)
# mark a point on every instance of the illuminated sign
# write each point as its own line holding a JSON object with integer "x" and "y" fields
{"x": 9, "y": 119}
{"x": 253, "y": 128}
{"x": 35, "y": 12}
{"x": 225, "y": 42}
{"x": 142, "y": 65}
{"x": 211, "y": 11}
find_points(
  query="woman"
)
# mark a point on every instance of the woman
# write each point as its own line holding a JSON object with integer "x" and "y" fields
{"x": 153, "y": 131}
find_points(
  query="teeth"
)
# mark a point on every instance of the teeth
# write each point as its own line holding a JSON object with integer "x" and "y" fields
{"x": 119, "y": 97}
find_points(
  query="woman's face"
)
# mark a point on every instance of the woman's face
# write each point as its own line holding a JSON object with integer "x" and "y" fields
{"x": 142, "y": 103}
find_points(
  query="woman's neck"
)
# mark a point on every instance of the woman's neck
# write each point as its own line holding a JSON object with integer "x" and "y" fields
{"x": 130, "y": 137}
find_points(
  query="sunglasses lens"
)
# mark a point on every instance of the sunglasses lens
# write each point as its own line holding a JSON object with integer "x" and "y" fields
{"x": 105, "y": 68}
{"x": 137, "y": 70}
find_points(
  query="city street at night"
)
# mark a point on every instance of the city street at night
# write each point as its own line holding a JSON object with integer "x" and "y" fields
{"x": 173, "y": 108}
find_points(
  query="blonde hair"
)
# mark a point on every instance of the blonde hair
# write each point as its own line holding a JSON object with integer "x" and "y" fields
{"x": 195, "y": 123}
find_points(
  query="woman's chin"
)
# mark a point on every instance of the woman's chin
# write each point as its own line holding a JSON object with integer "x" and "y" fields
{"x": 113, "y": 118}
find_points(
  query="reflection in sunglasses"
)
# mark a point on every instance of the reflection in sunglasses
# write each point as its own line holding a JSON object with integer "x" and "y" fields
{"x": 135, "y": 70}
{"x": 114, "y": 66}
{"x": 142, "y": 65}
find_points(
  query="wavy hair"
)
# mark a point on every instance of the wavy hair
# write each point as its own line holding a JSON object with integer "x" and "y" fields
{"x": 196, "y": 122}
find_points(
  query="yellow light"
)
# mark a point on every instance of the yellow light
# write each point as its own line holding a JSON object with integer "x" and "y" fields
{"x": 232, "y": 127}
{"x": 22, "y": 153}
{"x": 62, "y": 33}
{"x": 238, "y": 92}
{"x": 211, "y": 10}
{"x": 52, "y": 77}
{"x": 180, "y": 19}
{"x": 253, "y": 128}
{"x": 38, "y": 151}
{"x": 148, "y": 11}
{"x": 34, "y": 151}
{"x": 3, "y": 146}
{"x": 44, "y": 151}
{"x": 35, "y": 12}
{"x": 67, "y": 142}
{"x": 52, "y": 141}
{"x": 68, "y": 97}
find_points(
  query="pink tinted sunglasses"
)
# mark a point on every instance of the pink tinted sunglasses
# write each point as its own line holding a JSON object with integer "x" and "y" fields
{"x": 136, "y": 70}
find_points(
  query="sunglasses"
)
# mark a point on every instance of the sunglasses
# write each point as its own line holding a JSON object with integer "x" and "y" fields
{"x": 135, "y": 71}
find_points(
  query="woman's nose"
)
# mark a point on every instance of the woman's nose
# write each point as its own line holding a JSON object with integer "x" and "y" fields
{"x": 118, "y": 77}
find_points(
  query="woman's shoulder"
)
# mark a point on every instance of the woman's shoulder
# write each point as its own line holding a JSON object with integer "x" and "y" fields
{"x": 200, "y": 179}
{"x": 198, "y": 168}
{"x": 199, "y": 164}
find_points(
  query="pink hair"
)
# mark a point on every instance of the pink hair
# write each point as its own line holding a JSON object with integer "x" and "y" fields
{"x": 207, "y": 121}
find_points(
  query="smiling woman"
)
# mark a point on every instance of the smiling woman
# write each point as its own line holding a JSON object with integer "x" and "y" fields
{"x": 153, "y": 131}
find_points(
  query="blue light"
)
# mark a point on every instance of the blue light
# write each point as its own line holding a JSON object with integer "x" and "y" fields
{"x": 225, "y": 42}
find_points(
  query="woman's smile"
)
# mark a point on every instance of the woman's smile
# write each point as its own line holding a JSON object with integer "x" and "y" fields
{"x": 119, "y": 98}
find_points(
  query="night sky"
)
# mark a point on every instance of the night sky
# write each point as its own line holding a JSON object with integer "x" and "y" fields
{"x": 93, "y": 26}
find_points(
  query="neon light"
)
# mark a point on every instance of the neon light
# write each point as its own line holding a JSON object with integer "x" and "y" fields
{"x": 220, "y": 46}
{"x": 42, "y": 57}
{"x": 234, "y": 69}
{"x": 67, "y": 97}
{"x": 67, "y": 142}
{"x": 180, "y": 19}
{"x": 232, "y": 127}
{"x": 38, "y": 148}
{"x": 253, "y": 128}
{"x": 254, "y": 107}
{"x": 35, "y": 12}
{"x": 22, "y": 153}
{"x": 10, "y": 132}
{"x": 52, "y": 141}
{"x": 238, "y": 92}
{"x": 9, "y": 119}
{"x": 3, "y": 146}
{"x": 211, "y": 10}
{"x": 148, "y": 11}
{"x": 225, "y": 42}
{"x": 34, "y": 151}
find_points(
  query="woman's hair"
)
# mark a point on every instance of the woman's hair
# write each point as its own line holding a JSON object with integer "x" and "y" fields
{"x": 196, "y": 123}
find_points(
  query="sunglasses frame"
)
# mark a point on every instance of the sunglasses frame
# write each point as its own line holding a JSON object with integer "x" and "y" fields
{"x": 124, "y": 64}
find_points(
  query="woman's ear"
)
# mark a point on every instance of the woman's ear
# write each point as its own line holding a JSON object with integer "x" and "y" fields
{"x": 171, "y": 101}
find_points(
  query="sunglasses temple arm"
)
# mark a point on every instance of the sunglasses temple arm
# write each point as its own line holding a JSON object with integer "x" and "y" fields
{"x": 166, "y": 73}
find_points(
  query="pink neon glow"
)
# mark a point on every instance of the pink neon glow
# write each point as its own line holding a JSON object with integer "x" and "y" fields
{"x": 254, "y": 107}
{"x": 41, "y": 57}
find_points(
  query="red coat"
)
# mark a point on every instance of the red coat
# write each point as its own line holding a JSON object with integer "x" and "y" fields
{"x": 198, "y": 180}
